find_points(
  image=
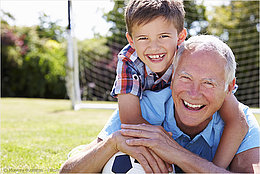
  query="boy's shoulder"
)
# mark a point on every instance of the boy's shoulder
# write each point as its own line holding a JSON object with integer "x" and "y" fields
{"x": 128, "y": 53}
{"x": 128, "y": 59}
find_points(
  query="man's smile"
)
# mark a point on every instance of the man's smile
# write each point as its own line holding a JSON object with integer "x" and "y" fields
{"x": 190, "y": 106}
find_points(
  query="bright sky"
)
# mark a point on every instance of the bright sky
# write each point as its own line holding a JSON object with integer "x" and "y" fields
{"x": 87, "y": 14}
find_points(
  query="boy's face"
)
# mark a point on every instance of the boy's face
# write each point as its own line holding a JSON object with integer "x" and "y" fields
{"x": 156, "y": 43}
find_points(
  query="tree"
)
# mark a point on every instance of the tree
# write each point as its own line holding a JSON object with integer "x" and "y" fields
{"x": 95, "y": 70}
{"x": 117, "y": 38}
{"x": 31, "y": 66}
{"x": 50, "y": 29}
{"x": 195, "y": 22}
{"x": 195, "y": 18}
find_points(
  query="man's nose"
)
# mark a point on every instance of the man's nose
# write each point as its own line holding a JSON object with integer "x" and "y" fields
{"x": 194, "y": 91}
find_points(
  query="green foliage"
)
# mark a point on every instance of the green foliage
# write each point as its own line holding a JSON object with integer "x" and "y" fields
{"x": 31, "y": 66}
{"x": 49, "y": 29}
{"x": 116, "y": 16}
{"x": 195, "y": 19}
{"x": 95, "y": 62}
{"x": 95, "y": 48}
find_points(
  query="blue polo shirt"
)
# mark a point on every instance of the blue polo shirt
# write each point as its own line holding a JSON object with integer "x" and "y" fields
{"x": 158, "y": 109}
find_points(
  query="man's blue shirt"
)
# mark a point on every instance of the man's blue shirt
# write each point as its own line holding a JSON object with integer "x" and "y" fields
{"x": 158, "y": 109}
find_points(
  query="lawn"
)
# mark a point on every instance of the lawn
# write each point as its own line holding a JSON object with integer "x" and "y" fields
{"x": 37, "y": 134}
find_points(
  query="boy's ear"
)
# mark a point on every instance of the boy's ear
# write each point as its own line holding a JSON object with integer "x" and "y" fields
{"x": 182, "y": 36}
{"x": 129, "y": 39}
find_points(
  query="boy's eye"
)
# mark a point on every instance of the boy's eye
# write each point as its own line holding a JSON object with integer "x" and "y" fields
{"x": 164, "y": 36}
{"x": 142, "y": 38}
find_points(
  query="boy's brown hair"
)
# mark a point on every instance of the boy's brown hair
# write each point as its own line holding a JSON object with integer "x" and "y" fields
{"x": 143, "y": 11}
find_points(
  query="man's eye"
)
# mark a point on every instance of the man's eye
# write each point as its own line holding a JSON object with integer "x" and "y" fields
{"x": 185, "y": 78}
{"x": 208, "y": 84}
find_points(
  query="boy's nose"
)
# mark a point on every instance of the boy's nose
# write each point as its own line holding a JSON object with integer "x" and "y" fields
{"x": 154, "y": 46}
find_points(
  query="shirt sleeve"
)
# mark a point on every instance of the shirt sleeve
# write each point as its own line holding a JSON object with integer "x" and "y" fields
{"x": 235, "y": 89}
{"x": 127, "y": 80}
{"x": 252, "y": 138}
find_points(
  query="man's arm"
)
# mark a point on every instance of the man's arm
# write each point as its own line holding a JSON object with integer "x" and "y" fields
{"x": 246, "y": 162}
{"x": 92, "y": 158}
{"x": 164, "y": 146}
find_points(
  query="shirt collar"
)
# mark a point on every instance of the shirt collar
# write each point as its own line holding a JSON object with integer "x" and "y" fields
{"x": 206, "y": 134}
{"x": 166, "y": 76}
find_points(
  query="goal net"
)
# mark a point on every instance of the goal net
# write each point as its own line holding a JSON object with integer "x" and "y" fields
{"x": 235, "y": 22}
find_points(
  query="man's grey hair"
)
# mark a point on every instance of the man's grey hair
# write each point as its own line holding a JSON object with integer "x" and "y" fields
{"x": 209, "y": 43}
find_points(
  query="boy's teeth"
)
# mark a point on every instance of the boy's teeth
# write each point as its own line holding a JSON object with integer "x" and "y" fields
{"x": 191, "y": 105}
{"x": 156, "y": 56}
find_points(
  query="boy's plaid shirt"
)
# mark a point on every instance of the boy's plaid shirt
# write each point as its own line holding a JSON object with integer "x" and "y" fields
{"x": 133, "y": 76}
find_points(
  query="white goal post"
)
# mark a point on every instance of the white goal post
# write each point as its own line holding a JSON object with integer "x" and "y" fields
{"x": 72, "y": 78}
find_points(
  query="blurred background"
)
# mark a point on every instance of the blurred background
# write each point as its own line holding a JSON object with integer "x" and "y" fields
{"x": 34, "y": 44}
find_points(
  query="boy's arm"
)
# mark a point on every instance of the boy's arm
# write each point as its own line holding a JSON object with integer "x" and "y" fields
{"x": 234, "y": 131}
{"x": 130, "y": 110}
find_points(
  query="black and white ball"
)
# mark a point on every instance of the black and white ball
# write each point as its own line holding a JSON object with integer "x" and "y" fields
{"x": 123, "y": 163}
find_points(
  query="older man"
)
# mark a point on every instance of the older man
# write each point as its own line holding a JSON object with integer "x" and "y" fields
{"x": 204, "y": 74}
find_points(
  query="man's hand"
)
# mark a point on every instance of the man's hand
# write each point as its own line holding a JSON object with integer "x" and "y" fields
{"x": 153, "y": 137}
{"x": 147, "y": 158}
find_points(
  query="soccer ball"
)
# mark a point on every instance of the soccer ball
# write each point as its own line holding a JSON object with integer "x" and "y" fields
{"x": 123, "y": 163}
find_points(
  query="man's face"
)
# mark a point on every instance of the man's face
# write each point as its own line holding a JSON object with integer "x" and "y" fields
{"x": 156, "y": 43}
{"x": 198, "y": 87}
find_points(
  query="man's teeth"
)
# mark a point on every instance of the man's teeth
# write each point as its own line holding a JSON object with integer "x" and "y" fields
{"x": 191, "y": 105}
{"x": 156, "y": 56}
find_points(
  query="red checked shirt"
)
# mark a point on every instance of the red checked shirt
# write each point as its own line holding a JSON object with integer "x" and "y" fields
{"x": 133, "y": 76}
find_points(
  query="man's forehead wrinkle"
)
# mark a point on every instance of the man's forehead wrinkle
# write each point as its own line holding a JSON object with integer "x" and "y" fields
{"x": 184, "y": 72}
{"x": 203, "y": 78}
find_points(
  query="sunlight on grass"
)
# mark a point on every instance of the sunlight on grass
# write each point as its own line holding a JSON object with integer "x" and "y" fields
{"x": 39, "y": 133}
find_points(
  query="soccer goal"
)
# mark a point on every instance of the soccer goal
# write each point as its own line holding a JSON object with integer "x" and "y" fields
{"x": 235, "y": 22}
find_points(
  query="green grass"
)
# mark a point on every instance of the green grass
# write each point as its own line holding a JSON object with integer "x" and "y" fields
{"x": 37, "y": 134}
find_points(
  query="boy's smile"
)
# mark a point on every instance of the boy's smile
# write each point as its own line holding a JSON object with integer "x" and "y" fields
{"x": 155, "y": 43}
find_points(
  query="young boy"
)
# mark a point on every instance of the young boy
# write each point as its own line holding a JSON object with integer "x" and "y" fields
{"x": 155, "y": 29}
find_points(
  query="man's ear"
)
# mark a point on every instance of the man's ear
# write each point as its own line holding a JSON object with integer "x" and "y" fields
{"x": 129, "y": 39}
{"x": 231, "y": 86}
{"x": 182, "y": 36}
